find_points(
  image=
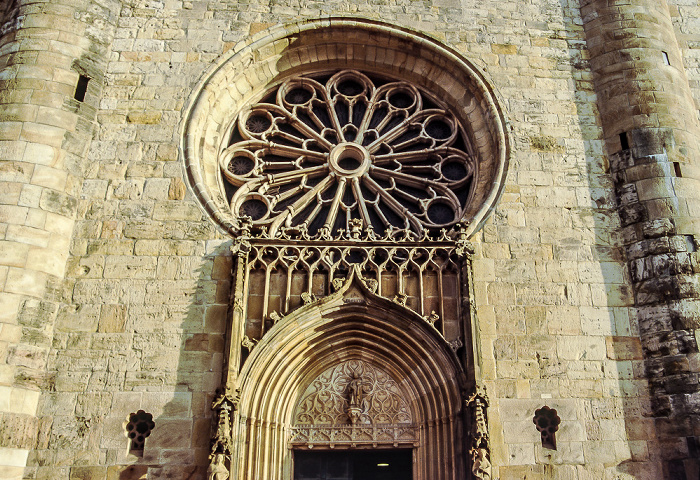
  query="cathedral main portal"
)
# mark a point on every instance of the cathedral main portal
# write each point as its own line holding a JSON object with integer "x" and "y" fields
{"x": 351, "y": 189}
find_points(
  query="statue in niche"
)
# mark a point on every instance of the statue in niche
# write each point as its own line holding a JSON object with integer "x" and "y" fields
{"x": 217, "y": 467}
{"x": 481, "y": 467}
{"x": 355, "y": 391}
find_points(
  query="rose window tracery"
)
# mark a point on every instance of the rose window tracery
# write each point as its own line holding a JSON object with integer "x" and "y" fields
{"x": 319, "y": 152}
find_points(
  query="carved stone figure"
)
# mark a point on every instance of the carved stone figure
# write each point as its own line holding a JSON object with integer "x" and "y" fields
{"x": 355, "y": 228}
{"x": 481, "y": 466}
{"x": 248, "y": 342}
{"x": 480, "y": 450}
{"x": 400, "y": 298}
{"x": 308, "y": 298}
{"x": 355, "y": 391}
{"x": 432, "y": 318}
{"x": 456, "y": 344}
{"x": 217, "y": 468}
{"x": 370, "y": 283}
{"x": 338, "y": 283}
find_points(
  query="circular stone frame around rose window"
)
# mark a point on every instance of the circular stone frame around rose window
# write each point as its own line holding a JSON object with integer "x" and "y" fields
{"x": 349, "y": 53}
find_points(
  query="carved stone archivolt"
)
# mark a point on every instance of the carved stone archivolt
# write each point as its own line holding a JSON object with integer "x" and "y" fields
{"x": 353, "y": 403}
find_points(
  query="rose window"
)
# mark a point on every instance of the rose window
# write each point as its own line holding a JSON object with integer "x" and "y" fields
{"x": 319, "y": 154}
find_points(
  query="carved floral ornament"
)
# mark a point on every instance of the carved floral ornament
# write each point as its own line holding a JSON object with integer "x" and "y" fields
{"x": 324, "y": 153}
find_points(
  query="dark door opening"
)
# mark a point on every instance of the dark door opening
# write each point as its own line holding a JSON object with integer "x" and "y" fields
{"x": 353, "y": 465}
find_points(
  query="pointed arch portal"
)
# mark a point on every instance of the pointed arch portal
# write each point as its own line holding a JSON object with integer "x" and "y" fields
{"x": 352, "y": 326}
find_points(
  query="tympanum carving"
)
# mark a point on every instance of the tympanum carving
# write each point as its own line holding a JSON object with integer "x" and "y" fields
{"x": 353, "y": 402}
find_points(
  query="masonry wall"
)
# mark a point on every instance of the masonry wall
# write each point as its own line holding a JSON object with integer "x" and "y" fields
{"x": 44, "y": 136}
{"x": 684, "y": 15}
{"x": 140, "y": 317}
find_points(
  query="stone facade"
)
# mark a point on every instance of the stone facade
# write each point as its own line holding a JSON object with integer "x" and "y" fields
{"x": 116, "y": 270}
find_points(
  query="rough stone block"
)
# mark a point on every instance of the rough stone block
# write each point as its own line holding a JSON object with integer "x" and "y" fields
{"x": 171, "y": 434}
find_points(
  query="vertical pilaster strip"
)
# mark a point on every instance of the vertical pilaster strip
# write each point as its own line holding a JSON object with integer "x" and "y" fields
{"x": 44, "y": 134}
{"x": 651, "y": 135}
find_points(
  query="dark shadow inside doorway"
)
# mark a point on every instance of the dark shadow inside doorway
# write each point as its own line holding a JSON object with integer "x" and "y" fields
{"x": 353, "y": 465}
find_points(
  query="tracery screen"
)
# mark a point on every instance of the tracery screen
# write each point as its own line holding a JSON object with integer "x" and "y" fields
{"x": 320, "y": 151}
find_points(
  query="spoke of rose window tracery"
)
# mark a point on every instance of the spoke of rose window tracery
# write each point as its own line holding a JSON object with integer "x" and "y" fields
{"x": 318, "y": 153}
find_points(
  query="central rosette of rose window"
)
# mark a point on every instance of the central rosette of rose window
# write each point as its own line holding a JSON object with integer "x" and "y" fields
{"x": 323, "y": 152}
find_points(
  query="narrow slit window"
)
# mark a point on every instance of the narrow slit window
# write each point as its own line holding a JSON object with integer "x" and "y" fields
{"x": 624, "y": 143}
{"x": 667, "y": 61}
{"x": 677, "y": 169}
{"x": 81, "y": 88}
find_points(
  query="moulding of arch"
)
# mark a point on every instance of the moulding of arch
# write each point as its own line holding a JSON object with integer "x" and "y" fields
{"x": 269, "y": 59}
{"x": 330, "y": 332}
{"x": 356, "y": 290}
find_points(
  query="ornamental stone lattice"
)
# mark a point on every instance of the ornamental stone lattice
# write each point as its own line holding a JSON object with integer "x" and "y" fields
{"x": 319, "y": 153}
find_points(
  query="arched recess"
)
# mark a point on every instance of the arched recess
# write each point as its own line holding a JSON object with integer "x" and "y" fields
{"x": 352, "y": 324}
{"x": 264, "y": 60}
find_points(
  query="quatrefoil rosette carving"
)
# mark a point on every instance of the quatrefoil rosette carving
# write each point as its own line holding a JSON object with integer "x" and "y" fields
{"x": 319, "y": 153}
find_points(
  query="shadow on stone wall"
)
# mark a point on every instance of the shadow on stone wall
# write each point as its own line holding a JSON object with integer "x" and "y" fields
{"x": 619, "y": 429}
{"x": 179, "y": 445}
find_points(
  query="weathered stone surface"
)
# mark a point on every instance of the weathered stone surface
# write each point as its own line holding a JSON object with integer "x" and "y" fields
{"x": 126, "y": 307}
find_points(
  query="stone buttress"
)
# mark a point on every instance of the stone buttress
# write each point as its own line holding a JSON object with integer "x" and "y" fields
{"x": 651, "y": 132}
{"x": 52, "y": 59}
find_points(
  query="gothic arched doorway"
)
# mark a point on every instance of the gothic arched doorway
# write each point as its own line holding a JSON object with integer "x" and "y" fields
{"x": 351, "y": 371}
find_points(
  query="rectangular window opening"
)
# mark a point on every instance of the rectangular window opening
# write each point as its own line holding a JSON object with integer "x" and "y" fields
{"x": 81, "y": 88}
{"x": 677, "y": 169}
